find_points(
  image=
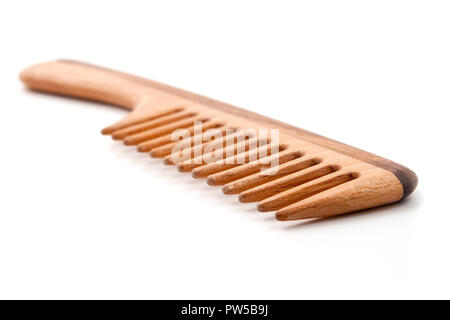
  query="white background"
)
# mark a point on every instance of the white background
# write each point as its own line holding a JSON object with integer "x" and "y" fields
{"x": 82, "y": 216}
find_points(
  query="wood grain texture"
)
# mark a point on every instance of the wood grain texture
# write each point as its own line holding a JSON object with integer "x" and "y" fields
{"x": 324, "y": 178}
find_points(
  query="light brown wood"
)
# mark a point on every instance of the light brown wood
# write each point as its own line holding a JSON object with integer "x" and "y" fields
{"x": 317, "y": 177}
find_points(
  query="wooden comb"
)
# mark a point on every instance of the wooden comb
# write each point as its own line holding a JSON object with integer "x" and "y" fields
{"x": 317, "y": 177}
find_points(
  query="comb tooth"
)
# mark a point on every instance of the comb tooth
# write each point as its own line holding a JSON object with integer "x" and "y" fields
{"x": 262, "y": 177}
{"x": 248, "y": 169}
{"x": 144, "y": 126}
{"x": 304, "y": 191}
{"x": 189, "y": 165}
{"x": 286, "y": 182}
{"x": 164, "y": 147}
{"x": 372, "y": 188}
{"x": 158, "y": 132}
{"x": 140, "y": 115}
{"x": 228, "y": 163}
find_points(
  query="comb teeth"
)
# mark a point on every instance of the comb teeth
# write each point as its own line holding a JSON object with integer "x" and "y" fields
{"x": 226, "y": 153}
{"x": 195, "y": 153}
{"x": 357, "y": 192}
{"x": 150, "y": 145}
{"x": 140, "y": 115}
{"x": 262, "y": 177}
{"x": 304, "y": 176}
{"x": 231, "y": 162}
{"x": 302, "y": 191}
{"x": 157, "y": 132}
{"x": 286, "y": 181}
{"x": 147, "y": 125}
{"x": 166, "y": 149}
{"x": 226, "y": 177}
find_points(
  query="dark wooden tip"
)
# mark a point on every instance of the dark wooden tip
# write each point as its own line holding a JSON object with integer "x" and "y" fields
{"x": 406, "y": 176}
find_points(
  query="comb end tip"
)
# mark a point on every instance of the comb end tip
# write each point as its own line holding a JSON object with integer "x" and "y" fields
{"x": 128, "y": 142}
{"x": 143, "y": 148}
{"x": 168, "y": 161}
{"x": 106, "y": 131}
{"x": 281, "y": 217}
{"x": 227, "y": 189}
{"x": 243, "y": 198}
{"x": 284, "y": 216}
{"x": 117, "y": 136}
{"x": 196, "y": 174}
{"x": 262, "y": 207}
{"x": 212, "y": 181}
{"x": 182, "y": 167}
